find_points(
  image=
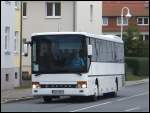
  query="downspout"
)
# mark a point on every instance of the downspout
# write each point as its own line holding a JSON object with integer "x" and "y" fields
{"x": 20, "y": 44}
{"x": 74, "y": 16}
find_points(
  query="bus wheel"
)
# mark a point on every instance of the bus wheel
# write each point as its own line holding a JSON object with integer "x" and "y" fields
{"x": 47, "y": 98}
{"x": 114, "y": 94}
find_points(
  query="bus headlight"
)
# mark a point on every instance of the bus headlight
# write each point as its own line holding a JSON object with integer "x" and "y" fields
{"x": 81, "y": 84}
{"x": 84, "y": 86}
{"x": 35, "y": 85}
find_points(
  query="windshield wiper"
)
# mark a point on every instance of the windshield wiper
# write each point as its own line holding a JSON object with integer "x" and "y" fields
{"x": 37, "y": 74}
{"x": 79, "y": 74}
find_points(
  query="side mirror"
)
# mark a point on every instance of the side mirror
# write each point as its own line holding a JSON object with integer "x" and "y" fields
{"x": 25, "y": 50}
{"x": 26, "y": 44}
{"x": 89, "y": 50}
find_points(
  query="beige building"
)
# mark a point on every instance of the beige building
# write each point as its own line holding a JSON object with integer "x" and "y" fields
{"x": 17, "y": 41}
{"x": 59, "y": 16}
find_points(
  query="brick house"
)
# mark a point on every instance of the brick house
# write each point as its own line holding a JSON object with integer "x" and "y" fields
{"x": 111, "y": 13}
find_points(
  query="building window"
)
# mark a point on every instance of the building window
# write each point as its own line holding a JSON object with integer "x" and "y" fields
{"x": 145, "y": 37}
{"x": 141, "y": 37}
{"x": 146, "y": 21}
{"x": 57, "y": 9}
{"x": 91, "y": 12}
{"x": 140, "y": 21}
{"x": 23, "y": 42}
{"x": 49, "y": 9}
{"x": 24, "y": 9}
{"x": 7, "y": 37}
{"x": 16, "y": 76}
{"x": 125, "y": 21}
{"x": 15, "y": 44}
{"x": 53, "y": 9}
{"x": 105, "y": 21}
{"x": 16, "y": 41}
{"x": 143, "y": 20}
{"x": 7, "y": 77}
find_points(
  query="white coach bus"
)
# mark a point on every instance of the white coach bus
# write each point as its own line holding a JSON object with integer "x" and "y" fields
{"x": 76, "y": 64}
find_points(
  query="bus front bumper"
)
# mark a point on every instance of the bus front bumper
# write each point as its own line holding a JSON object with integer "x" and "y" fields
{"x": 61, "y": 92}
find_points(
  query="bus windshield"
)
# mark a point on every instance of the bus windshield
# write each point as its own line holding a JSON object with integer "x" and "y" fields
{"x": 59, "y": 54}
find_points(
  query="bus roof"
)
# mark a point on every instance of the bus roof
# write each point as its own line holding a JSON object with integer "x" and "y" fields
{"x": 112, "y": 38}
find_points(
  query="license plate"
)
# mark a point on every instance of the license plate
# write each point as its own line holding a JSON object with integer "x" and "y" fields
{"x": 58, "y": 92}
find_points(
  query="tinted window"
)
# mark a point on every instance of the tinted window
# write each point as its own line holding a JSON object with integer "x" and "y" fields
{"x": 59, "y": 53}
{"x": 107, "y": 51}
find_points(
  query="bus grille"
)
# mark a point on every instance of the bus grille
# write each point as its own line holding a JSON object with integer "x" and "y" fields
{"x": 58, "y": 86}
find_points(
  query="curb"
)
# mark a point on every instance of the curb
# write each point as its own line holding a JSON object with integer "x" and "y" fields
{"x": 21, "y": 99}
{"x": 130, "y": 83}
{"x": 17, "y": 99}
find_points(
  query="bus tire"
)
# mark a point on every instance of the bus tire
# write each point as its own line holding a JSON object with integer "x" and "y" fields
{"x": 47, "y": 99}
{"x": 111, "y": 94}
{"x": 114, "y": 94}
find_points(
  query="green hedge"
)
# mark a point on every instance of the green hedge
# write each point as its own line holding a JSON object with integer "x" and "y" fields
{"x": 137, "y": 65}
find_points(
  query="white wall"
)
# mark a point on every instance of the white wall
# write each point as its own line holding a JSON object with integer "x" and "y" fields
{"x": 7, "y": 19}
{"x": 7, "y": 60}
{"x": 36, "y": 20}
{"x": 84, "y": 24}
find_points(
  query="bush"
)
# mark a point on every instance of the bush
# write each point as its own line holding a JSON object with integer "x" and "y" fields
{"x": 131, "y": 77}
{"x": 134, "y": 44}
{"x": 137, "y": 66}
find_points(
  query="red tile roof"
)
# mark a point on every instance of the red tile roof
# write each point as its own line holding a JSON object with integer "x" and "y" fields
{"x": 137, "y": 8}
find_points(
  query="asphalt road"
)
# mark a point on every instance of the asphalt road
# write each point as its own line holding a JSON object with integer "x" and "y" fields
{"x": 130, "y": 99}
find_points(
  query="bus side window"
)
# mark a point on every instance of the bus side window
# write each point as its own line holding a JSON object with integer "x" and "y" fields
{"x": 98, "y": 48}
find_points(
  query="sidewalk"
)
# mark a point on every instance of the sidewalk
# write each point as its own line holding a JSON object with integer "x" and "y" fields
{"x": 15, "y": 94}
{"x": 23, "y": 94}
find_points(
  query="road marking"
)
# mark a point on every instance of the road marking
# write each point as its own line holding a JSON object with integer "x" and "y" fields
{"x": 133, "y": 96}
{"x": 91, "y": 106}
{"x": 111, "y": 102}
{"x": 132, "y": 109}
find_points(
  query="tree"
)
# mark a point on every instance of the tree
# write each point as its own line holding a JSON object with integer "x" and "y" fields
{"x": 134, "y": 46}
